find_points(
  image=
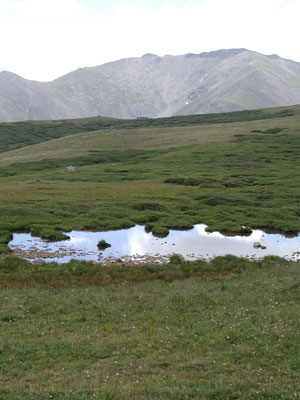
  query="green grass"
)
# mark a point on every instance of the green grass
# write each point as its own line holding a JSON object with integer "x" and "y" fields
{"x": 226, "y": 175}
{"x": 227, "y": 329}
{"x": 219, "y": 335}
{"x": 20, "y": 134}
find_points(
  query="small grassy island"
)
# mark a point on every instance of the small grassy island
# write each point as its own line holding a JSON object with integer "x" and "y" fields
{"x": 102, "y": 245}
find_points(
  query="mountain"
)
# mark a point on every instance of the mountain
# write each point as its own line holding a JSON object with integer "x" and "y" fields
{"x": 153, "y": 86}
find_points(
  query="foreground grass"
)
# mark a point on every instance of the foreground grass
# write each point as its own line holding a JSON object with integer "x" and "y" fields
{"x": 218, "y": 335}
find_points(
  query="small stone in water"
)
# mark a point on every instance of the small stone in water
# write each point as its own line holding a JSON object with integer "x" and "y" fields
{"x": 256, "y": 245}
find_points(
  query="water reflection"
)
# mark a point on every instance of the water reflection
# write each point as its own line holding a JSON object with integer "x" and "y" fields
{"x": 136, "y": 244}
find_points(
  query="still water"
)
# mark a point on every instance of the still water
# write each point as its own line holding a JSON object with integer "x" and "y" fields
{"x": 135, "y": 245}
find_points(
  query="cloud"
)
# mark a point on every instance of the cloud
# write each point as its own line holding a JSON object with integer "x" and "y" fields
{"x": 54, "y": 8}
{"x": 267, "y": 26}
{"x": 42, "y": 38}
{"x": 45, "y": 8}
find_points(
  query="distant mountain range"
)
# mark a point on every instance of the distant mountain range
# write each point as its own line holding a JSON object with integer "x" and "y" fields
{"x": 153, "y": 86}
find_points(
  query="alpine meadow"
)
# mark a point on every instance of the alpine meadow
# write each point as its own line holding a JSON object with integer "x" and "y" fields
{"x": 225, "y": 328}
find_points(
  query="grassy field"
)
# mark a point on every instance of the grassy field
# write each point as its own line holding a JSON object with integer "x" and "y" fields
{"x": 223, "y": 330}
{"x": 232, "y": 176}
{"x": 25, "y": 133}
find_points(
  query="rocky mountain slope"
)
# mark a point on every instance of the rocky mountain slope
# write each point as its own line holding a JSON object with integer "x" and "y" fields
{"x": 153, "y": 86}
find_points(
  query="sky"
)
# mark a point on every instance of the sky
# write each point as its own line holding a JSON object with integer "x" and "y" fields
{"x": 45, "y": 39}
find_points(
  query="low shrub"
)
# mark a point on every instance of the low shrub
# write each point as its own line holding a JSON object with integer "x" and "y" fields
{"x": 148, "y": 206}
{"x": 4, "y": 249}
{"x": 13, "y": 264}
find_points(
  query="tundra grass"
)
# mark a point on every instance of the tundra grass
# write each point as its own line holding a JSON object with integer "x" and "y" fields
{"x": 25, "y": 133}
{"x": 231, "y": 181}
{"x": 228, "y": 329}
{"x": 215, "y": 336}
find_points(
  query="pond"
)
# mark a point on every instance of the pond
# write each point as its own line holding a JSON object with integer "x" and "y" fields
{"x": 134, "y": 245}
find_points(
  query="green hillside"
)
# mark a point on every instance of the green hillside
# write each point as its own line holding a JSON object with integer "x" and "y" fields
{"x": 19, "y": 134}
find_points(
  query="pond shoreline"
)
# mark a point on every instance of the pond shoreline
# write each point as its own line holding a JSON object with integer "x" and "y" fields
{"x": 135, "y": 246}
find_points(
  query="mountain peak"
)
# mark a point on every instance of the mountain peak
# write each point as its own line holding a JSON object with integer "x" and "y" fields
{"x": 149, "y": 55}
{"x": 152, "y": 86}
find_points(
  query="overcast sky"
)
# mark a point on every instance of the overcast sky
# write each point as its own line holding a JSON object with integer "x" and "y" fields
{"x": 44, "y": 39}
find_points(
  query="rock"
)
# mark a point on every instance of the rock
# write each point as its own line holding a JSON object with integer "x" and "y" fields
{"x": 256, "y": 245}
{"x": 263, "y": 247}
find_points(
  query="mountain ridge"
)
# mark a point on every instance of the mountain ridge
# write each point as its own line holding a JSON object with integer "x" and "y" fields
{"x": 219, "y": 81}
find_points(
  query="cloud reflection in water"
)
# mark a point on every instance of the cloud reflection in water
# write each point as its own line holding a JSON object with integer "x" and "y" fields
{"x": 195, "y": 243}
